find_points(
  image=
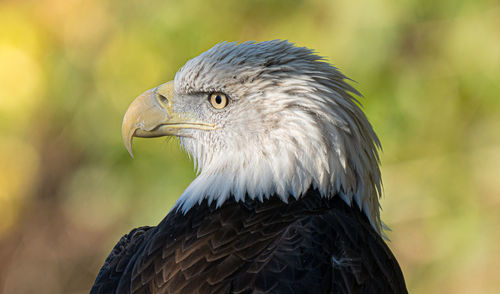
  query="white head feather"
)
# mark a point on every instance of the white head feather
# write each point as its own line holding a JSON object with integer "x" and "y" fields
{"x": 291, "y": 125}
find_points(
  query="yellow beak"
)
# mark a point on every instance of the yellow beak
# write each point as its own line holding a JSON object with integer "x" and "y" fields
{"x": 152, "y": 115}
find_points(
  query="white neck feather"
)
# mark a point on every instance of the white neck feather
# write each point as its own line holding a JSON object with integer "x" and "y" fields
{"x": 301, "y": 156}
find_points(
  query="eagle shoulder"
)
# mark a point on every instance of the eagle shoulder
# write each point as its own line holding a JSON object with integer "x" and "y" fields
{"x": 309, "y": 245}
{"x": 115, "y": 265}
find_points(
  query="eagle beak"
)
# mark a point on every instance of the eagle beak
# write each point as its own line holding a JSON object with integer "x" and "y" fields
{"x": 152, "y": 115}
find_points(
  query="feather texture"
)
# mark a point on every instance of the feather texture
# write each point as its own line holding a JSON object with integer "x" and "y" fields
{"x": 310, "y": 245}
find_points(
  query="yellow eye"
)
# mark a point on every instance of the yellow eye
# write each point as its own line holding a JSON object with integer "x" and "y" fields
{"x": 218, "y": 100}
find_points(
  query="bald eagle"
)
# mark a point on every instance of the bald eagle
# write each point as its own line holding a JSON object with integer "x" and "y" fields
{"x": 287, "y": 188}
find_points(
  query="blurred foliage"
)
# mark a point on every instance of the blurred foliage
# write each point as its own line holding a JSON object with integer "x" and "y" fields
{"x": 69, "y": 68}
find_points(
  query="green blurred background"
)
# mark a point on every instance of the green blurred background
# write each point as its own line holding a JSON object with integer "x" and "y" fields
{"x": 430, "y": 71}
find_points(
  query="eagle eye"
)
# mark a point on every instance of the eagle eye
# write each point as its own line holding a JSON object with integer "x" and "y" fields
{"x": 218, "y": 100}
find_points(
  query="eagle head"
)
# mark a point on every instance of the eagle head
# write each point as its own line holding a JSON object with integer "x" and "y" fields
{"x": 264, "y": 120}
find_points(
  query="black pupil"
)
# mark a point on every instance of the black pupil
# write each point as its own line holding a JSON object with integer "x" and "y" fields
{"x": 218, "y": 99}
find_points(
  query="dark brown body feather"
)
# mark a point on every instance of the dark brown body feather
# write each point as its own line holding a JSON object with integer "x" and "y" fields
{"x": 310, "y": 245}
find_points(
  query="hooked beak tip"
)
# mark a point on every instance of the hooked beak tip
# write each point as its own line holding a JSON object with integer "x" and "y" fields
{"x": 127, "y": 140}
{"x": 129, "y": 149}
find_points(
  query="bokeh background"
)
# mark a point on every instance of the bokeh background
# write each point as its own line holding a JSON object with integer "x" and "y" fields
{"x": 430, "y": 72}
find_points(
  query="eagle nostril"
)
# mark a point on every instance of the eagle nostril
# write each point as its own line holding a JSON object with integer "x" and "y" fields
{"x": 163, "y": 99}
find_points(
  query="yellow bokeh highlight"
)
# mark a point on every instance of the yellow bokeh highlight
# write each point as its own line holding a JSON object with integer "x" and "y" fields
{"x": 19, "y": 80}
